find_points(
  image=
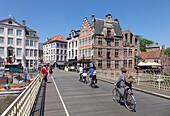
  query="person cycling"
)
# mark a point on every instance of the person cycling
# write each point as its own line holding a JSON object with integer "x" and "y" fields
{"x": 121, "y": 83}
{"x": 91, "y": 74}
{"x": 80, "y": 72}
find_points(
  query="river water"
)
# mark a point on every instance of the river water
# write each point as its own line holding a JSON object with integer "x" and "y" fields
{"x": 6, "y": 100}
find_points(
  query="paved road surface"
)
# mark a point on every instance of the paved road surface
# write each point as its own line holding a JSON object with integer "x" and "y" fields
{"x": 75, "y": 98}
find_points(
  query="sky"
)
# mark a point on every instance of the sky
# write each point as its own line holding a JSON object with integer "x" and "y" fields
{"x": 148, "y": 18}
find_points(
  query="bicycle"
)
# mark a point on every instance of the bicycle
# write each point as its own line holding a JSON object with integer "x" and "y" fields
{"x": 128, "y": 99}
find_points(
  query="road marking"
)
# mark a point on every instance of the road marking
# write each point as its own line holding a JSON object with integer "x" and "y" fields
{"x": 60, "y": 97}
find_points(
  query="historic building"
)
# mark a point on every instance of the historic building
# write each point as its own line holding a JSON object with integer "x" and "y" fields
{"x": 104, "y": 43}
{"x": 18, "y": 42}
{"x": 85, "y": 41}
{"x": 55, "y": 51}
{"x": 72, "y": 45}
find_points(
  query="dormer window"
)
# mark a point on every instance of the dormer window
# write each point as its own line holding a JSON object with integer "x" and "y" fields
{"x": 9, "y": 22}
{"x": 108, "y": 32}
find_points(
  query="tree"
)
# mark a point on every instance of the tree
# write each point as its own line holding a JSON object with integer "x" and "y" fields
{"x": 167, "y": 51}
{"x": 143, "y": 42}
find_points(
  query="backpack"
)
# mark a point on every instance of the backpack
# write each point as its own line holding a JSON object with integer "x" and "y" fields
{"x": 129, "y": 79}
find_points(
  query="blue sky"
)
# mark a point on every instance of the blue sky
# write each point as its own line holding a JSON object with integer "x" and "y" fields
{"x": 148, "y": 18}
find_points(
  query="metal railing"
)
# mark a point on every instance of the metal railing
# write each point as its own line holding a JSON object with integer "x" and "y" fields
{"x": 161, "y": 82}
{"x": 23, "y": 104}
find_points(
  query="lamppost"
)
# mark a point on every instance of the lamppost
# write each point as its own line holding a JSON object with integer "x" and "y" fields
{"x": 83, "y": 60}
{"x": 137, "y": 68}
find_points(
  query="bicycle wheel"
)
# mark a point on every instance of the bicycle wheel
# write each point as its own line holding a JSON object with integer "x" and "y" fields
{"x": 115, "y": 94}
{"x": 130, "y": 102}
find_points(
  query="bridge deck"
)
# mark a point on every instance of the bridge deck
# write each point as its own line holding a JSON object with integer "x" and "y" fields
{"x": 78, "y": 99}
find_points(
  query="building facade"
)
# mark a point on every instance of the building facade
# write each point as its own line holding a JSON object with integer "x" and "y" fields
{"x": 104, "y": 43}
{"x": 18, "y": 42}
{"x": 55, "y": 51}
{"x": 72, "y": 45}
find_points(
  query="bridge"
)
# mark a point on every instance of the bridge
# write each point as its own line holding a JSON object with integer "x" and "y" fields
{"x": 64, "y": 95}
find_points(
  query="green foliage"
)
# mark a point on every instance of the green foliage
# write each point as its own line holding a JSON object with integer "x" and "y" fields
{"x": 143, "y": 42}
{"x": 167, "y": 51}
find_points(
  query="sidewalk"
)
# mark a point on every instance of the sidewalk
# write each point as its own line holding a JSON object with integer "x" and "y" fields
{"x": 145, "y": 89}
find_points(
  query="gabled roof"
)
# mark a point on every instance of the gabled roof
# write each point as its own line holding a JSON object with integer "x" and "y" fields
{"x": 151, "y": 54}
{"x": 56, "y": 38}
{"x": 14, "y": 23}
{"x": 99, "y": 25}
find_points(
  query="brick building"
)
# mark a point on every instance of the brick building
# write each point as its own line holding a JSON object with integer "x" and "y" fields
{"x": 104, "y": 43}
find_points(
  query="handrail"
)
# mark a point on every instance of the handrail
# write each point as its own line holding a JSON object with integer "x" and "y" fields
{"x": 23, "y": 104}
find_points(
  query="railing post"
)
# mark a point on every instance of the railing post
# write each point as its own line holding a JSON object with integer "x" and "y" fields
{"x": 137, "y": 78}
{"x": 159, "y": 82}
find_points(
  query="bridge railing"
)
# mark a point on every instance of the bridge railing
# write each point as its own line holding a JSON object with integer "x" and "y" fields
{"x": 23, "y": 104}
{"x": 155, "y": 81}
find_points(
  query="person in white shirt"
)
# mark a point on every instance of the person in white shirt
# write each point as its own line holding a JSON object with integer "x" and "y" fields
{"x": 80, "y": 72}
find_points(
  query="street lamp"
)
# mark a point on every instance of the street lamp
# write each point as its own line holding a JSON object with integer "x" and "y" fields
{"x": 83, "y": 60}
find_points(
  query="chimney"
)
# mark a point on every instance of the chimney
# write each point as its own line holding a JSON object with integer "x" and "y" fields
{"x": 156, "y": 43}
{"x": 93, "y": 18}
{"x": 23, "y": 23}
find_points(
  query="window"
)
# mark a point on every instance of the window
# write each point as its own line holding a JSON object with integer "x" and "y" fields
{"x": 116, "y": 64}
{"x": 108, "y": 43}
{"x": 131, "y": 38}
{"x": 19, "y": 42}
{"x": 65, "y": 58}
{"x": 19, "y": 51}
{"x": 108, "y": 32}
{"x": 65, "y": 45}
{"x": 27, "y": 43}
{"x": 57, "y": 57}
{"x": 61, "y": 51}
{"x": 76, "y": 53}
{"x": 116, "y": 53}
{"x": 85, "y": 41}
{"x": 136, "y": 41}
{"x": 10, "y": 31}
{"x": 100, "y": 52}
{"x": 27, "y": 63}
{"x": 99, "y": 63}
{"x": 1, "y": 30}
{"x": 1, "y": 39}
{"x": 2, "y": 51}
{"x": 19, "y": 32}
{"x": 116, "y": 42}
{"x": 72, "y": 44}
{"x": 125, "y": 52}
{"x": 130, "y": 64}
{"x": 35, "y": 43}
{"x": 10, "y": 40}
{"x": 35, "y": 52}
{"x": 108, "y": 54}
{"x": 136, "y": 52}
{"x": 57, "y": 51}
{"x": 76, "y": 43}
{"x": 65, "y": 51}
{"x": 31, "y": 52}
{"x": 126, "y": 37}
{"x": 61, "y": 58}
{"x": 130, "y": 52}
{"x": 125, "y": 63}
{"x": 27, "y": 52}
{"x": 61, "y": 45}
{"x": 57, "y": 45}
{"x": 31, "y": 42}
{"x": 156, "y": 60}
{"x": 108, "y": 63}
{"x": 99, "y": 41}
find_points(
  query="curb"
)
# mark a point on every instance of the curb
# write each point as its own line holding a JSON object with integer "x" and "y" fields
{"x": 141, "y": 90}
